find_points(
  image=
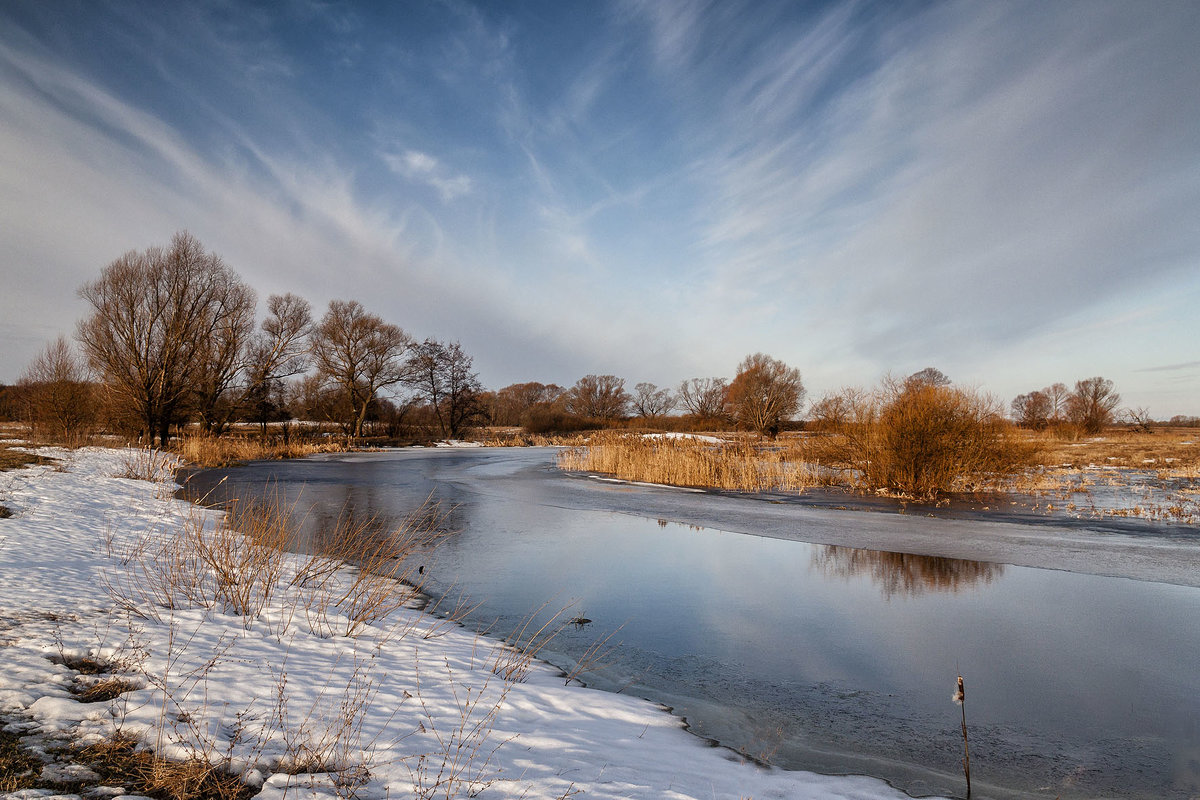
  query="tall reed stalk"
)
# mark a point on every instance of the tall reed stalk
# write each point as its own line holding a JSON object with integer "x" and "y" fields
{"x": 960, "y": 697}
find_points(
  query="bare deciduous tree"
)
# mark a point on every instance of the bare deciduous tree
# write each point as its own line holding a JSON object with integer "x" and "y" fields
{"x": 764, "y": 393}
{"x": 361, "y": 354}
{"x": 1092, "y": 404}
{"x": 1139, "y": 419}
{"x": 59, "y": 401}
{"x": 279, "y": 351}
{"x": 598, "y": 397}
{"x": 441, "y": 374}
{"x": 704, "y": 397}
{"x": 837, "y": 410}
{"x": 930, "y": 376}
{"x": 1032, "y": 410}
{"x": 1057, "y": 394}
{"x": 649, "y": 401}
{"x": 221, "y": 356}
{"x": 154, "y": 316}
{"x": 511, "y": 404}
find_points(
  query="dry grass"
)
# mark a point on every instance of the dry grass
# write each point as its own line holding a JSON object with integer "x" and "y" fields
{"x": 518, "y": 437}
{"x": 148, "y": 464}
{"x": 19, "y": 769}
{"x": 13, "y": 458}
{"x": 740, "y": 465}
{"x": 103, "y": 690}
{"x": 1176, "y": 449}
{"x": 240, "y": 563}
{"x": 221, "y": 451}
{"x": 119, "y": 760}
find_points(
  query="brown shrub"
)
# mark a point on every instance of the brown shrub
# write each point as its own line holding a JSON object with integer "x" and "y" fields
{"x": 920, "y": 440}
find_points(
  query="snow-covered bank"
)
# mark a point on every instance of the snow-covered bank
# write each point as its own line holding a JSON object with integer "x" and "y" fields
{"x": 406, "y": 705}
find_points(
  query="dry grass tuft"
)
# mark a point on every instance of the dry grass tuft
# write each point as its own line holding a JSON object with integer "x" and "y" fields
{"x": 148, "y": 464}
{"x": 19, "y": 769}
{"x": 100, "y": 691}
{"x": 119, "y": 760}
{"x": 739, "y": 465}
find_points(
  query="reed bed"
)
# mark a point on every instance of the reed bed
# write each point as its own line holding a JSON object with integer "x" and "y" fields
{"x": 679, "y": 461}
{"x": 221, "y": 451}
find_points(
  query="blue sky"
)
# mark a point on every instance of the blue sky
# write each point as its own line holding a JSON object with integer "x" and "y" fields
{"x": 651, "y": 188}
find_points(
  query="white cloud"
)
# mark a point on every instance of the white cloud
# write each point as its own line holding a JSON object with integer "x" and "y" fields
{"x": 423, "y": 168}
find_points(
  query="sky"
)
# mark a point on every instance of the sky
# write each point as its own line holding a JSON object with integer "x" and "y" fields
{"x": 1007, "y": 191}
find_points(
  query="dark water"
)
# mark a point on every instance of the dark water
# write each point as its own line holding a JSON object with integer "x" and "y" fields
{"x": 810, "y": 656}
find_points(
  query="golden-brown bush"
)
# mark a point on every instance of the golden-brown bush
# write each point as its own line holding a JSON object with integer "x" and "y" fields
{"x": 919, "y": 440}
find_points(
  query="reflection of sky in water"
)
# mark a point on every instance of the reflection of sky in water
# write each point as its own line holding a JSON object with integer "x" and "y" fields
{"x": 843, "y": 649}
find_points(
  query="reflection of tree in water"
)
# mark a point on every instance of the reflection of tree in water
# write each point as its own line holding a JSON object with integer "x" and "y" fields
{"x": 904, "y": 573}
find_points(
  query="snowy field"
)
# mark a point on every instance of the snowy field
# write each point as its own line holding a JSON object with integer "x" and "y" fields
{"x": 286, "y": 681}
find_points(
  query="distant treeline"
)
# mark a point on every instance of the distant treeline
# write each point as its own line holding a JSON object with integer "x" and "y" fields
{"x": 172, "y": 339}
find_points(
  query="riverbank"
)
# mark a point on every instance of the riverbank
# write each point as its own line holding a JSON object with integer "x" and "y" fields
{"x": 769, "y": 644}
{"x": 275, "y": 693}
{"x": 1125, "y": 476}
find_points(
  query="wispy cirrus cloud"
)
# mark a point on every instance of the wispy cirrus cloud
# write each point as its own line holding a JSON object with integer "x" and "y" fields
{"x": 419, "y": 167}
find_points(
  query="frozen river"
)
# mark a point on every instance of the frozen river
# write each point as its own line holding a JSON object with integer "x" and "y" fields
{"x": 821, "y": 638}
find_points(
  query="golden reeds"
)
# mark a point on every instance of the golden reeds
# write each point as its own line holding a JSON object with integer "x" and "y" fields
{"x": 220, "y": 451}
{"x": 739, "y": 465}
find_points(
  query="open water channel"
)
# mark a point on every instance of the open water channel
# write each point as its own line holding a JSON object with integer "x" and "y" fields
{"x": 818, "y": 638}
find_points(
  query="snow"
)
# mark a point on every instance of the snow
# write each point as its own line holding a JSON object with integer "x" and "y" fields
{"x": 282, "y": 697}
{"x": 693, "y": 436}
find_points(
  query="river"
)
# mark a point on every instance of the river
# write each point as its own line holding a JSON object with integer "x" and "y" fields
{"x": 817, "y": 638}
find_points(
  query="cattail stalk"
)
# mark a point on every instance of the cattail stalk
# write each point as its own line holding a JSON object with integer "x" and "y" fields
{"x": 960, "y": 696}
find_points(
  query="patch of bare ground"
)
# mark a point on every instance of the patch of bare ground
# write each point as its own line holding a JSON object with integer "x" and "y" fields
{"x": 19, "y": 768}
{"x": 16, "y": 457}
{"x": 117, "y": 764}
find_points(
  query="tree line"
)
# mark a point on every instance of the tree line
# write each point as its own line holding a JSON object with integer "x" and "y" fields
{"x": 170, "y": 339}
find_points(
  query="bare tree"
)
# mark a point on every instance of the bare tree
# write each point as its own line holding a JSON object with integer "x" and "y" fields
{"x": 511, "y": 404}
{"x": 1032, "y": 410}
{"x": 361, "y": 354}
{"x": 704, "y": 397}
{"x": 1092, "y": 404}
{"x": 1057, "y": 395}
{"x": 279, "y": 351}
{"x": 441, "y": 374}
{"x": 649, "y": 401}
{"x": 1139, "y": 419}
{"x": 836, "y": 411}
{"x": 221, "y": 352}
{"x": 764, "y": 393}
{"x": 930, "y": 376}
{"x": 598, "y": 397}
{"x": 314, "y": 397}
{"x": 154, "y": 317}
{"x": 60, "y": 403}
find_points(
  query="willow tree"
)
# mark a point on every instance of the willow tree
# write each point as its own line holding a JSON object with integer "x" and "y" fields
{"x": 764, "y": 393}
{"x": 360, "y": 354}
{"x": 158, "y": 318}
